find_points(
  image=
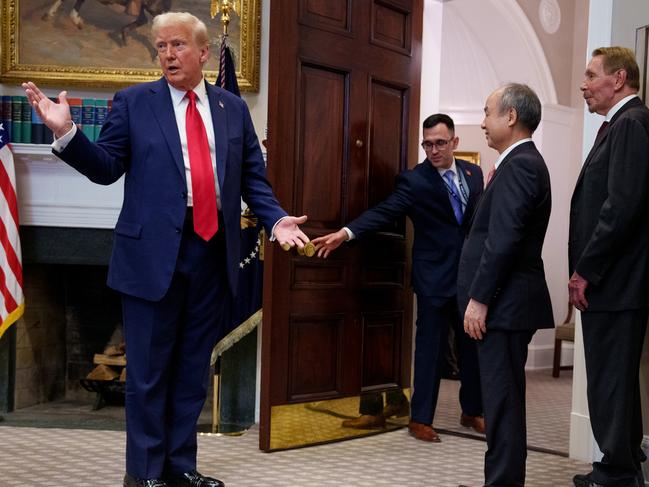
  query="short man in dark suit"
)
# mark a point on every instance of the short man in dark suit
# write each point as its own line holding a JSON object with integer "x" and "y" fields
{"x": 437, "y": 195}
{"x": 609, "y": 264}
{"x": 501, "y": 281}
{"x": 189, "y": 153}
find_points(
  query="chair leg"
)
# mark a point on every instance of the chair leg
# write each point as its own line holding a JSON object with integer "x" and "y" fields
{"x": 556, "y": 364}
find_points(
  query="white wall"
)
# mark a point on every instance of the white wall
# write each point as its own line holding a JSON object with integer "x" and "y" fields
{"x": 484, "y": 45}
{"x": 628, "y": 15}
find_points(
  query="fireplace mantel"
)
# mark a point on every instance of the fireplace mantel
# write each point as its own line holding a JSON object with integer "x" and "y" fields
{"x": 52, "y": 194}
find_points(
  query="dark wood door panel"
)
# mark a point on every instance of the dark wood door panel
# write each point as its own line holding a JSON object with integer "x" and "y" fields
{"x": 392, "y": 25}
{"x": 388, "y": 116}
{"x": 327, "y": 15}
{"x": 310, "y": 274}
{"x": 343, "y": 51}
{"x": 323, "y": 143}
{"x": 381, "y": 349}
{"x": 315, "y": 347}
{"x": 343, "y": 122}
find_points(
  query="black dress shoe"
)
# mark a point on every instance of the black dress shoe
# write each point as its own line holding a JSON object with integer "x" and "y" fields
{"x": 584, "y": 480}
{"x": 133, "y": 482}
{"x": 192, "y": 479}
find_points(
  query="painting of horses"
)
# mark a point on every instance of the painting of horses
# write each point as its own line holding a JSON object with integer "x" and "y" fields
{"x": 107, "y": 43}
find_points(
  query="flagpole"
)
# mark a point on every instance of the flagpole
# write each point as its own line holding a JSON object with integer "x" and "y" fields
{"x": 225, "y": 7}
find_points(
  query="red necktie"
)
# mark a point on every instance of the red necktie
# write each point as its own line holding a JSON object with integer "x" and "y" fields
{"x": 490, "y": 175}
{"x": 206, "y": 219}
{"x": 602, "y": 128}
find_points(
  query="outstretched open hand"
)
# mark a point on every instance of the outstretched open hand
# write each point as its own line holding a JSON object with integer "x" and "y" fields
{"x": 288, "y": 232}
{"x": 55, "y": 115}
{"x": 330, "y": 242}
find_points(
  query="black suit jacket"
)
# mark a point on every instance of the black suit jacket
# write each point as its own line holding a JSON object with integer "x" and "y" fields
{"x": 609, "y": 221}
{"x": 501, "y": 263}
{"x": 420, "y": 194}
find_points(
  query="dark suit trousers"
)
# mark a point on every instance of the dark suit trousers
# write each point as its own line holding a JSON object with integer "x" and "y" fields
{"x": 434, "y": 317}
{"x": 613, "y": 345}
{"x": 168, "y": 349}
{"x": 502, "y": 356}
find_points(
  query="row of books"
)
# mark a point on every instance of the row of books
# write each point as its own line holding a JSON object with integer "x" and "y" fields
{"x": 24, "y": 125}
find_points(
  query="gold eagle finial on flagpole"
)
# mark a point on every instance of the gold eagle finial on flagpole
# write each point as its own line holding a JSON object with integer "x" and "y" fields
{"x": 224, "y": 7}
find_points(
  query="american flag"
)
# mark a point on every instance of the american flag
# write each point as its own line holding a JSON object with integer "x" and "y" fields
{"x": 227, "y": 78}
{"x": 12, "y": 303}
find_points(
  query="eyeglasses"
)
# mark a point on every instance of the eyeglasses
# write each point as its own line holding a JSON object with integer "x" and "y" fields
{"x": 441, "y": 144}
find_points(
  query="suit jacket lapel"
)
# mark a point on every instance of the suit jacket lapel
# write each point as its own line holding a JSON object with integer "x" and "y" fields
{"x": 504, "y": 162}
{"x": 600, "y": 140}
{"x": 163, "y": 110}
{"x": 220, "y": 123}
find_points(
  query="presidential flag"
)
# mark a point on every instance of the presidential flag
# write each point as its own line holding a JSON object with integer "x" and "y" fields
{"x": 246, "y": 310}
{"x": 235, "y": 364}
{"x": 12, "y": 303}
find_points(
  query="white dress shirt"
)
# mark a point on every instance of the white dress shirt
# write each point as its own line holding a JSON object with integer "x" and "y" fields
{"x": 180, "y": 103}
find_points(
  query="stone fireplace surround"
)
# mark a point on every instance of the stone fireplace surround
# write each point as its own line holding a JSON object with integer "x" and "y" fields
{"x": 66, "y": 225}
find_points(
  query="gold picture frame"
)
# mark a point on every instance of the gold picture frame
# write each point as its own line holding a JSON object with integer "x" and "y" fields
{"x": 45, "y": 45}
{"x": 473, "y": 157}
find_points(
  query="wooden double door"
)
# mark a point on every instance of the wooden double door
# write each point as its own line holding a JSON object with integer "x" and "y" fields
{"x": 344, "y": 93}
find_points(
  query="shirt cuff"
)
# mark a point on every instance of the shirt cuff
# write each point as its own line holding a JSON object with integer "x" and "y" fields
{"x": 350, "y": 234}
{"x": 272, "y": 232}
{"x": 60, "y": 144}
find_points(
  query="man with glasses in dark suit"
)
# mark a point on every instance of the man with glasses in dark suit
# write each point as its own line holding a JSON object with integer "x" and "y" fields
{"x": 438, "y": 195}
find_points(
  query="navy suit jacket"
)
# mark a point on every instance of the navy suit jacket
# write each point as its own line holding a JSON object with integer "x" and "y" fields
{"x": 501, "y": 262}
{"x": 140, "y": 139}
{"x": 420, "y": 193}
{"x": 609, "y": 231}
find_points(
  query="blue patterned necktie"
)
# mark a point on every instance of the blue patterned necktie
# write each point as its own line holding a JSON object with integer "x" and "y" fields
{"x": 454, "y": 196}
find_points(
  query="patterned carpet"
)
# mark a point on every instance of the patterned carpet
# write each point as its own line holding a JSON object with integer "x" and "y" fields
{"x": 56, "y": 457}
{"x": 73, "y": 457}
{"x": 548, "y": 410}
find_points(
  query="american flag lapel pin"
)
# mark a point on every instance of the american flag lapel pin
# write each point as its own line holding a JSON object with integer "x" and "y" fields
{"x": 468, "y": 173}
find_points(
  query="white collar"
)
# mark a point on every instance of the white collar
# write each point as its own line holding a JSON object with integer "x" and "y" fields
{"x": 177, "y": 95}
{"x": 452, "y": 167}
{"x": 506, "y": 152}
{"x": 618, "y": 105}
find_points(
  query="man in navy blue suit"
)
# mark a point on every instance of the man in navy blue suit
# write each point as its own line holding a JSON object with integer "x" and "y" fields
{"x": 438, "y": 195}
{"x": 189, "y": 153}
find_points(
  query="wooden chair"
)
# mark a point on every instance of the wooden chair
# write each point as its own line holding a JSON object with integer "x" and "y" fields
{"x": 564, "y": 332}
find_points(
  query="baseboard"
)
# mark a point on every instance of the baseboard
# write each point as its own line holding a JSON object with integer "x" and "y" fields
{"x": 542, "y": 356}
{"x": 588, "y": 451}
{"x": 580, "y": 430}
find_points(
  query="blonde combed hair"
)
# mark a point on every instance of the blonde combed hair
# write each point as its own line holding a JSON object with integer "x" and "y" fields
{"x": 617, "y": 57}
{"x": 194, "y": 24}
